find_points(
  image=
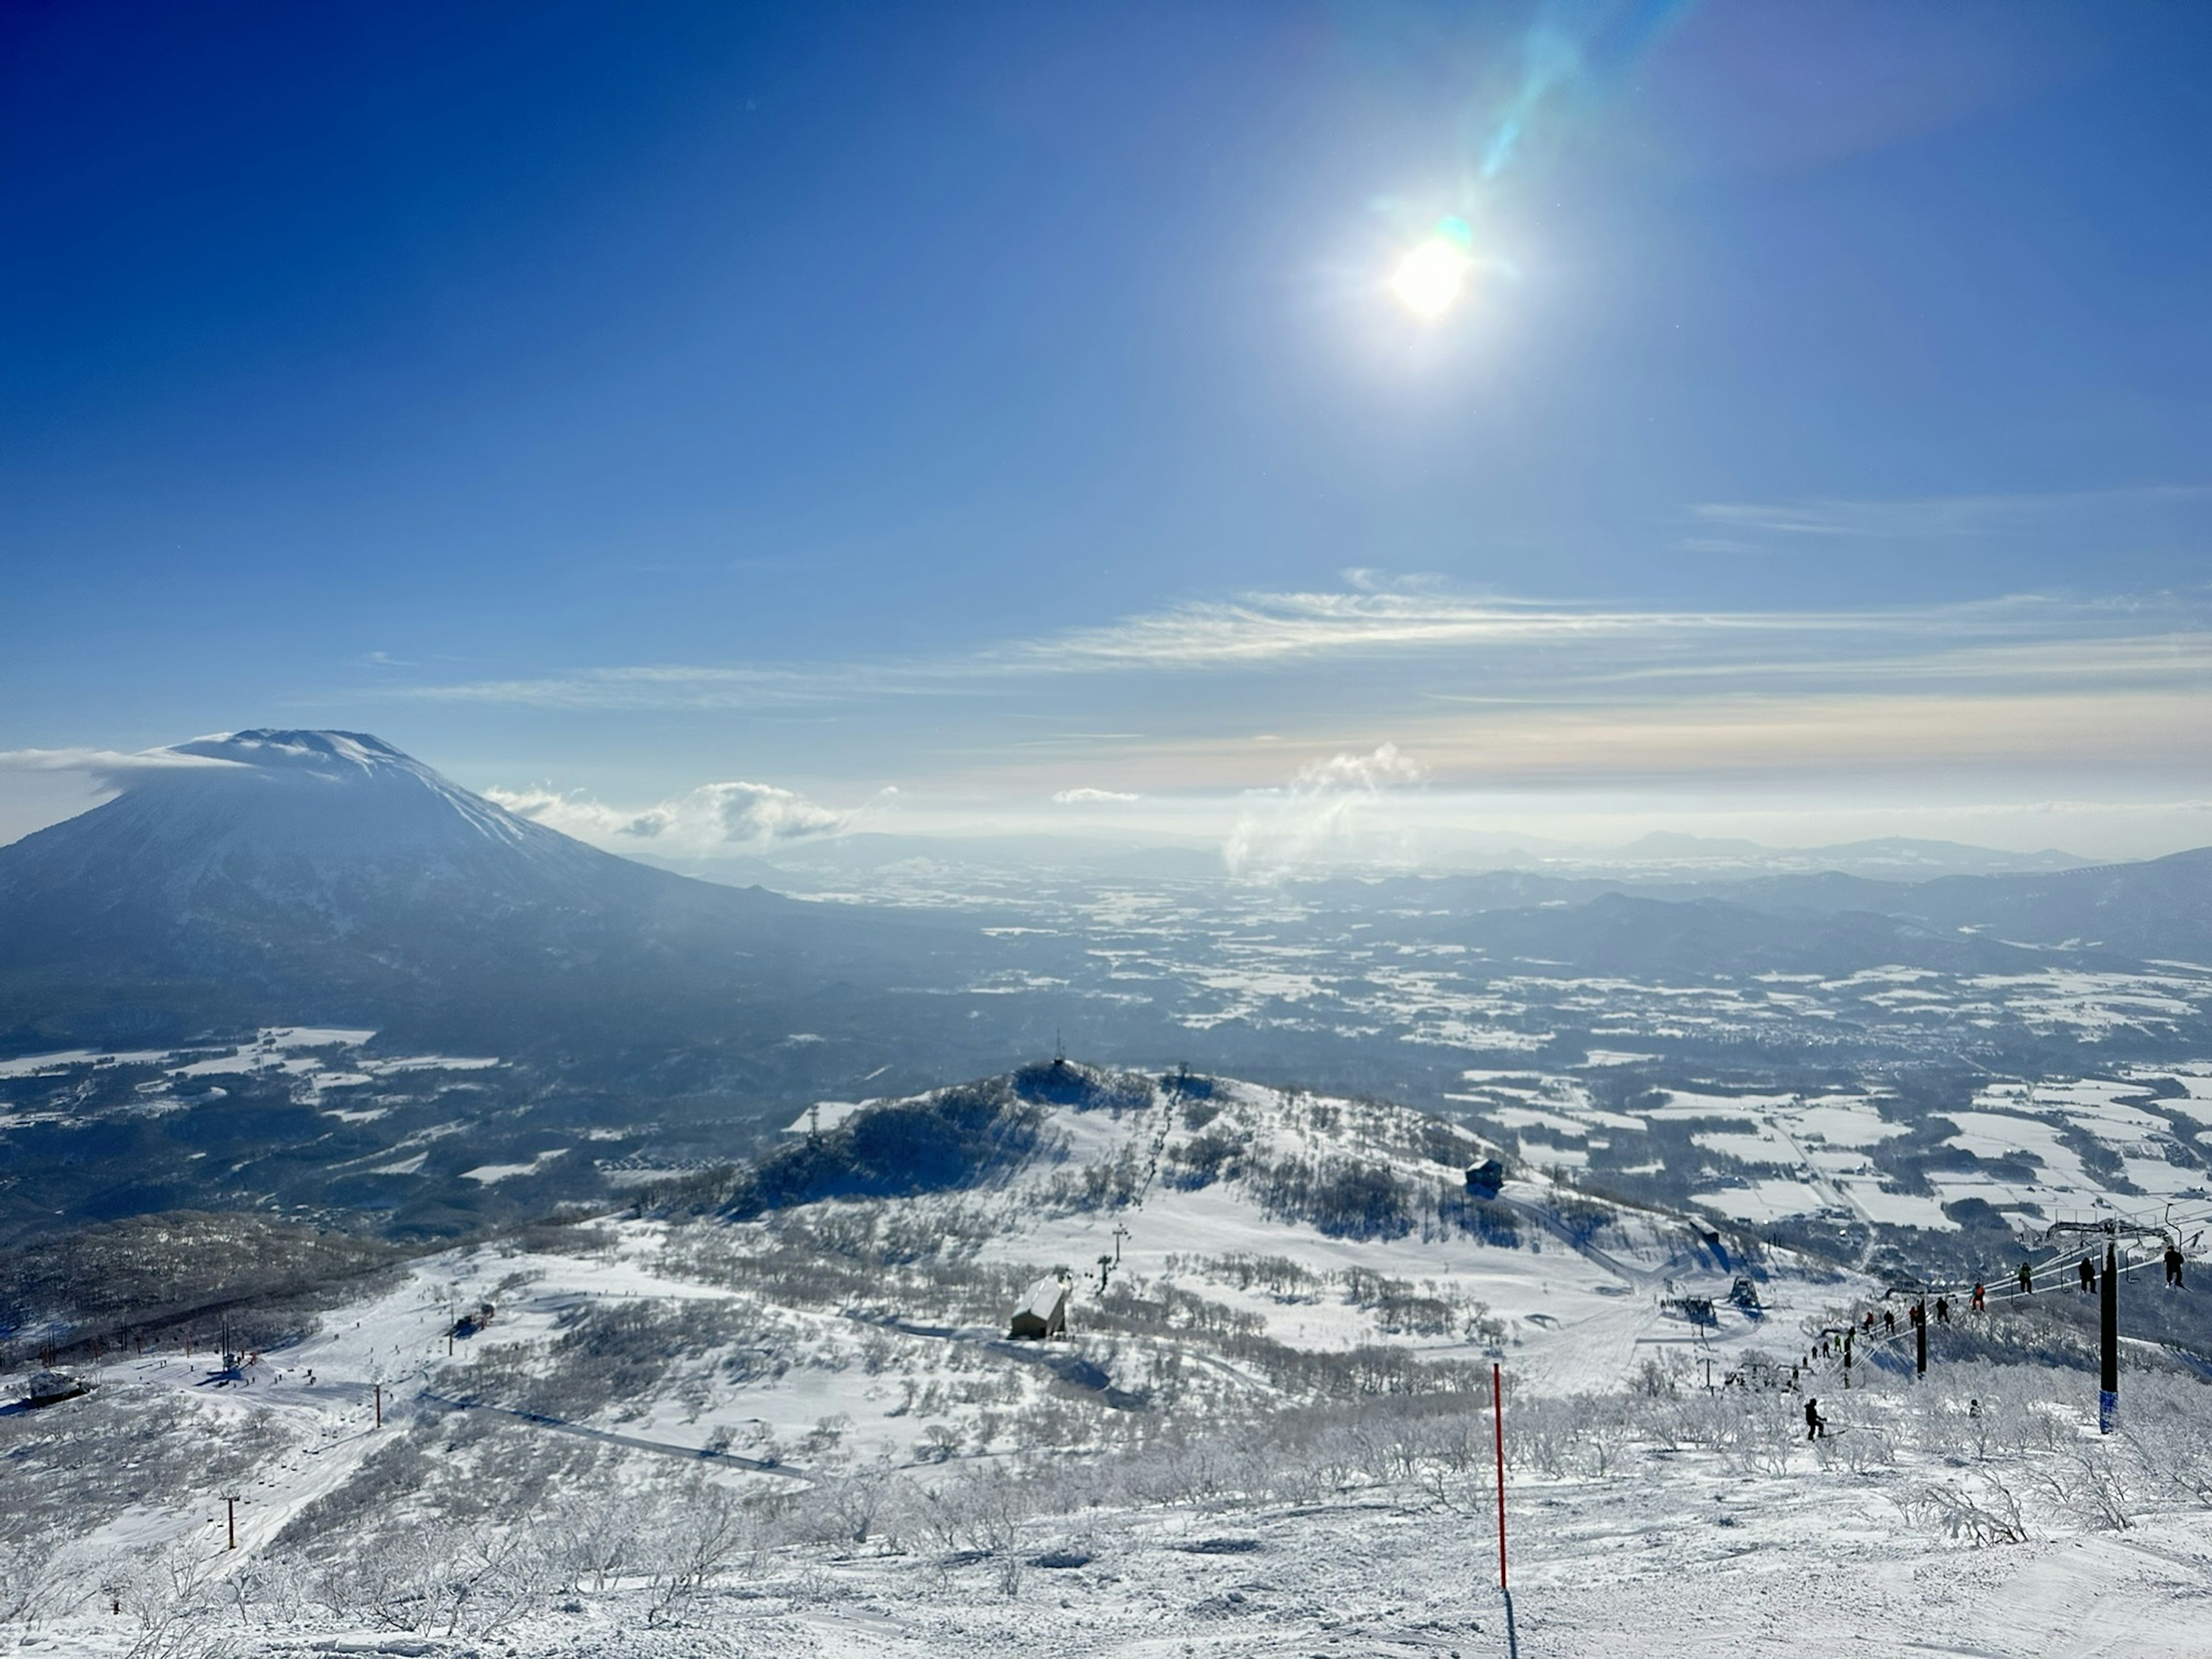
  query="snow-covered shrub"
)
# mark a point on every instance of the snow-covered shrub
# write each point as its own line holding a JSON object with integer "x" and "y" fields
{"x": 2093, "y": 1482}
{"x": 35, "y": 1578}
{"x": 845, "y": 1509}
{"x": 435, "y": 1578}
{"x": 1981, "y": 1511}
{"x": 1857, "y": 1448}
{"x": 979, "y": 1509}
{"x": 700, "y": 1536}
{"x": 2162, "y": 1420}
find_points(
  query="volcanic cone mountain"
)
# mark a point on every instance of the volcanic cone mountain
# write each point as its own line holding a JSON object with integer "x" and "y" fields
{"x": 270, "y": 876}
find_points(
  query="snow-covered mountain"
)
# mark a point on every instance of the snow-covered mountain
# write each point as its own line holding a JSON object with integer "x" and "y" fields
{"x": 780, "y": 1411}
{"x": 274, "y": 877}
{"x": 275, "y": 832}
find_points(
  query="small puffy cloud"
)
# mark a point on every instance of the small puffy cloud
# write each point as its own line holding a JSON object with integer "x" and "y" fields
{"x": 1385, "y": 766}
{"x": 714, "y": 818}
{"x": 762, "y": 812}
{"x": 1083, "y": 796}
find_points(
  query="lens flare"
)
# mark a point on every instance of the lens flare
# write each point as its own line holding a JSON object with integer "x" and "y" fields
{"x": 1428, "y": 279}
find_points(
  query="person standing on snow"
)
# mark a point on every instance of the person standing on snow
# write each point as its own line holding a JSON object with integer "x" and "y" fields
{"x": 1815, "y": 1424}
{"x": 2027, "y": 1280}
{"x": 2174, "y": 1262}
{"x": 2089, "y": 1276}
{"x": 1981, "y": 1301}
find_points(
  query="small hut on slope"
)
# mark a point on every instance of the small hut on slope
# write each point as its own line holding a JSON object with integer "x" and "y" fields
{"x": 51, "y": 1387}
{"x": 1042, "y": 1313}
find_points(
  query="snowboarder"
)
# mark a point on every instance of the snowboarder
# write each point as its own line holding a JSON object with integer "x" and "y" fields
{"x": 2173, "y": 1261}
{"x": 1942, "y": 1310}
{"x": 2088, "y": 1271}
{"x": 1815, "y": 1424}
{"x": 1981, "y": 1298}
{"x": 2027, "y": 1280}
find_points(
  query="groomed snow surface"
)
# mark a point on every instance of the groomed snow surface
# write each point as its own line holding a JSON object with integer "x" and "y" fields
{"x": 807, "y": 1436}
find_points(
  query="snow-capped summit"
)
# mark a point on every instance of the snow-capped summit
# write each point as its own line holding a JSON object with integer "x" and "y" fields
{"x": 303, "y": 816}
{"x": 284, "y": 875}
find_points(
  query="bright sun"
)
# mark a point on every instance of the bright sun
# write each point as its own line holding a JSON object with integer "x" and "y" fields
{"x": 1428, "y": 278}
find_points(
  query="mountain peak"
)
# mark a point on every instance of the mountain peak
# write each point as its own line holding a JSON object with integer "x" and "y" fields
{"x": 270, "y": 746}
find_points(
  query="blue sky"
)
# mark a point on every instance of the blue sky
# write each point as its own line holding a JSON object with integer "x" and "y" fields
{"x": 985, "y": 405}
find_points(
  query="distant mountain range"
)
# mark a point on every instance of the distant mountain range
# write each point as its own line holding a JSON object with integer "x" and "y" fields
{"x": 301, "y": 969}
{"x": 1659, "y": 862}
{"x": 303, "y": 877}
{"x": 1899, "y": 857}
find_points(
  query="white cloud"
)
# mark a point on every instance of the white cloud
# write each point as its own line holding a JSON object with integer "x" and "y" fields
{"x": 1334, "y": 812}
{"x": 660, "y": 685}
{"x": 1942, "y": 516}
{"x": 714, "y": 818}
{"x": 1411, "y": 627}
{"x": 110, "y": 767}
{"x": 1080, "y": 797}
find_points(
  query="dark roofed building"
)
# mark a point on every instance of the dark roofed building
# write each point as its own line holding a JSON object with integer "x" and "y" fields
{"x": 1043, "y": 1311}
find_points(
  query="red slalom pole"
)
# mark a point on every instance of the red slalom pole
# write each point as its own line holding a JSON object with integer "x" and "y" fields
{"x": 1498, "y": 1421}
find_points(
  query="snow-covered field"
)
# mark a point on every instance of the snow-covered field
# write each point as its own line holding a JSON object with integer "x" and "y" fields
{"x": 1269, "y": 1433}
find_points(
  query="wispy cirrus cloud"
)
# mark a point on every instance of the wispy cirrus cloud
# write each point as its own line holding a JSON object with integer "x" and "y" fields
{"x": 659, "y": 685}
{"x": 1936, "y": 518}
{"x": 1413, "y": 630}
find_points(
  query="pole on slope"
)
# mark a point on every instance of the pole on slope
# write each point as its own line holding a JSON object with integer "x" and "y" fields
{"x": 1498, "y": 1426}
{"x": 1498, "y": 1423}
{"x": 230, "y": 1505}
{"x": 2108, "y": 1391}
{"x": 1920, "y": 1333}
{"x": 380, "y": 1405}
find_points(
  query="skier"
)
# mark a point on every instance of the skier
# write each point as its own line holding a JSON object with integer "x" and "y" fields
{"x": 2089, "y": 1276}
{"x": 1942, "y": 1310}
{"x": 1870, "y": 1319}
{"x": 2173, "y": 1261}
{"x": 1815, "y": 1424}
{"x": 2027, "y": 1280}
{"x": 1889, "y": 1321}
{"x": 1981, "y": 1300}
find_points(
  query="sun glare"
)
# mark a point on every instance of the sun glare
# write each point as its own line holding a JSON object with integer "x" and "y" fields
{"x": 1428, "y": 279}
